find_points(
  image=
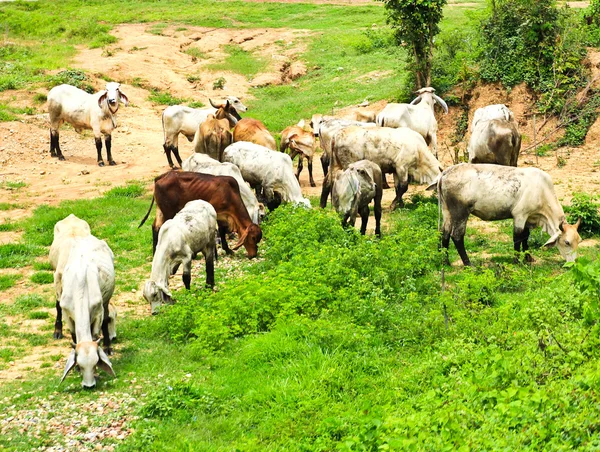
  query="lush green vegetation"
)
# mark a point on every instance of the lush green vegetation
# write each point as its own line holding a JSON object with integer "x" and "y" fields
{"x": 336, "y": 341}
{"x": 240, "y": 61}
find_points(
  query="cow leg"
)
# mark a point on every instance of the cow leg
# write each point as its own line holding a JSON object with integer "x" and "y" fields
{"x": 187, "y": 273}
{"x": 55, "y": 146}
{"x": 377, "y": 211}
{"x": 98, "y": 141}
{"x": 222, "y": 234}
{"x": 310, "y": 176}
{"x": 458, "y": 237}
{"x": 364, "y": 216}
{"x": 58, "y": 325}
{"x": 300, "y": 166}
{"x": 105, "y": 333}
{"x": 325, "y": 191}
{"x": 168, "y": 154}
{"x": 154, "y": 238}
{"x": 401, "y": 184}
{"x": 209, "y": 258}
{"x": 325, "y": 164}
{"x": 520, "y": 238}
{"x": 176, "y": 153}
{"x": 108, "y": 145}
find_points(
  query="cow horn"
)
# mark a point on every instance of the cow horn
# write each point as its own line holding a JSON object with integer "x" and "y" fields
{"x": 416, "y": 100}
{"x": 213, "y": 104}
{"x": 71, "y": 361}
{"x": 440, "y": 101}
{"x": 241, "y": 240}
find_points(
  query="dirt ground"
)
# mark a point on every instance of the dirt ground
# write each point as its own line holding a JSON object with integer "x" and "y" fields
{"x": 160, "y": 61}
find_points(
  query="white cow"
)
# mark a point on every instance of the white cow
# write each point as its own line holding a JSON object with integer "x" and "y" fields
{"x": 191, "y": 231}
{"x": 88, "y": 282}
{"x": 495, "y": 192}
{"x": 97, "y": 112}
{"x": 202, "y": 163}
{"x": 496, "y": 111}
{"x": 418, "y": 115}
{"x": 268, "y": 170}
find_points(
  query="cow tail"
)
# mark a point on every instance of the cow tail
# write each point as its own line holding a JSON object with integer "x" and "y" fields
{"x": 147, "y": 214}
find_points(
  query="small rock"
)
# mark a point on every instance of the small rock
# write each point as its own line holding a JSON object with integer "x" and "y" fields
{"x": 42, "y": 173}
{"x": 133, "y": 290}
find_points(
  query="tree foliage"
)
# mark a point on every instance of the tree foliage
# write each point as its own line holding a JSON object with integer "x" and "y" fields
{"x": 415, "y": 24}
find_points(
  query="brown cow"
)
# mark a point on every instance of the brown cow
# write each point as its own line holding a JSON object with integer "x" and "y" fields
{"x": 174, "y": 189}
{"x": 302, "y": 143}
{"x": 213, "y": 137}
{"x": 254, "y": 131}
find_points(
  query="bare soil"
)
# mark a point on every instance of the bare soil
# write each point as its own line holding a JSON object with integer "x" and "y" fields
{"x": 160, "y": 61}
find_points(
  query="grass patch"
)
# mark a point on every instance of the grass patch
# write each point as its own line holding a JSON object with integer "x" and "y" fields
{"x": 240, "y": 61}
{"x": 195, "y": 104}
{"x": 165, "y": 98}
{"x": 42, "y": 266}
{"x": 8, "y": 281}
{"x": 10, "y": 206}
{"x": 8, "y": 226}
{"x": 8, "y": 112}
{"x": 12, "y": 185}
{"x": 38, "y": 315}
{"x": 14, "y": 255}
{"x": 42, "y": 277}
{"x": 194, "y": 52}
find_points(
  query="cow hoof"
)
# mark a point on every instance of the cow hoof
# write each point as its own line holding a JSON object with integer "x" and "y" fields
{"x": 61, "y": 158}
{"x": 112, "y": 163}
{"x": 53, "y": 154}
{"x": 109, "y": 351}
{"x": 58, "y": 334}
{"x": 100, "y": 163}
{"x": 529, "y": 259}
{"x": 312, "y": 184}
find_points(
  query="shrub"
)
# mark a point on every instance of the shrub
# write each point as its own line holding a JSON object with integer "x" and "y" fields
{"x": 164, "y": 97}
{"x": 585, "y": 206}
{"x": 73, "y": 77}
{"x": 42, "y": 277}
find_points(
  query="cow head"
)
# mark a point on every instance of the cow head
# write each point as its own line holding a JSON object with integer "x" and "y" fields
{"x": 315, "y": 123}
{"x": 302, "y": 144}
{"x": 566, "y": 240}
{"x": 428, "y": 96}
{"x": 226, "y": 111}
{"x": 250, "y": 238}
{"x": 86, "y": 356}
{"x": 237, "y": 104}
{"x": 156, "y": 294}
{"x": 346, "y": 193}
{"x": 112, "y": 95}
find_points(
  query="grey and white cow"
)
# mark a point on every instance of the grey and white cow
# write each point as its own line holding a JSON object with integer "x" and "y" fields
{"x": 495, "y": 192}
{"x": 82, "y": 110}
{"x": 354, "y": 189}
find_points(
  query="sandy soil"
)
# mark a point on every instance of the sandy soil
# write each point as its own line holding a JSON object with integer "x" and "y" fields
{"x": 137, "y": 143}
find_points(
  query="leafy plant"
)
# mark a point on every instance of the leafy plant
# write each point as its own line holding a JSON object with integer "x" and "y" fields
{"x": 164, "y": 97}
{"x": 75, "y": 77}
{"x": 219, "y": 83}
{"x": 585, "y": 206}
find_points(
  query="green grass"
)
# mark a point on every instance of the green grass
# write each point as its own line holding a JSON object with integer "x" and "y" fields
{"x": 44, "y": 265}
{"x": 10, "y": 206}
{"x": 14, "y": 255}
{"x": 12, "y": 185}
{"x": 43, "y": 277}
{"x": 8, "y": 226}
{"x": 8, "y": 281}
{"x": 241, "y": 62}
{"x": 195, "y": 53}
{"x": 165, "y": 98}
{"x": 38, "y": 315}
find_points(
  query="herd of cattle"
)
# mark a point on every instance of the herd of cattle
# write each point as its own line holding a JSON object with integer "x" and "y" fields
{"x": 237, "y": 170}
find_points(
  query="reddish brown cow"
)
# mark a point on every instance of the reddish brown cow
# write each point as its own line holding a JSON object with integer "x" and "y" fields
{"x": 254, "y": 131}
{"x": 173, "y": 190}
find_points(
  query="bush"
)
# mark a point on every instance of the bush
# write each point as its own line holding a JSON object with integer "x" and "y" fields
{"x": 585, "y": 206}
{"x": 73, "y": 77}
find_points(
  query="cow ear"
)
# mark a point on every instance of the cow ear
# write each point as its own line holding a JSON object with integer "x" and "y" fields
{"x": 102, "y": 98}
{"x": 71, "y": 361}
{"x": 104, "y": 362}
{"x": 552, "y": 240}
{"x": 241, "y": 241}
{"x": 124, "y": 98}
{"x": 576, "y": 225}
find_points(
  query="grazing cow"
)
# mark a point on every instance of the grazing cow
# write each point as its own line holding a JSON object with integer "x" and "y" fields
{"x": 301, "y": 143}
{"x": 401, "y": 151}
{"x": 494, "y": 192}
{"x": 254, "y": 131}
{"x": 353, "y": 190}
{"x": 212, "y": 137}
{"x": 178, "y": 119}
{"x": 489, "y": 112}
{"x": 418, "y": 115}
{"x": 86, "y": 285}
{"x": 201, "y": 163}
{"x": 495, "y": 141}
{"x": 266, "y": 171}
{"x": 174, "y": 189}
{"x": 327, "y": 129}
{"x": 191, "y": 231}
{"x": 97, "y": 112}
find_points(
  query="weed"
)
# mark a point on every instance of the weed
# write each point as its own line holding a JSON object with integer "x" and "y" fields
{"x": 10, "y": 185}
{"x": 42, "y": 266}
{"x": 40, "y": 98}
{"x": 164, "y": 97}
{"x": 195, "y": 53}
{"x": 8, "y": 281}
{"x": 8, "y": 226}
{"x": 38, "y": 315}
{"x": 219, "y": 83}
{"x": 193, "y": 78}
{"x": 585, "y": 207}
{"x": 73, "y": 77}
{"x": 139, "y": 82}
{"x": 157, "y": 29}
{"x": 42, "y": 277}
